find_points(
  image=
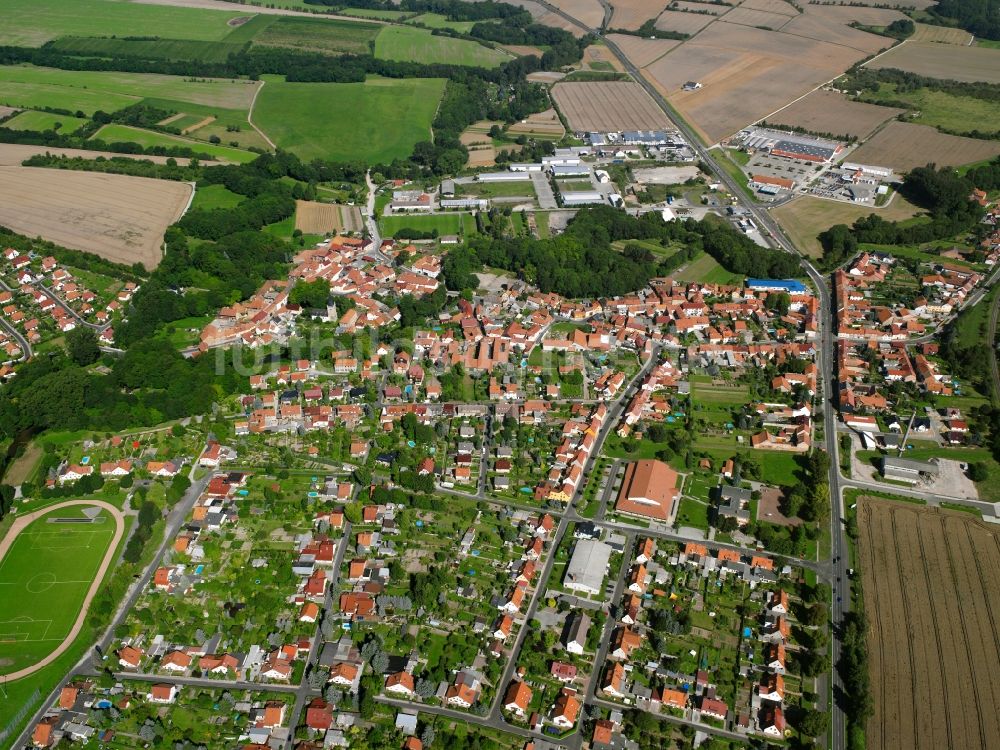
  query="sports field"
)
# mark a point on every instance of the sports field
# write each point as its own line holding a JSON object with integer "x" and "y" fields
{"x": 44, "y": 579}
{"x": 374, "y": 122}
{"x": 113, "y": 133}
{"x": 45, "y": 121}
{"x": 31, "y": 23}
{"x": 88, "y": 91}
{"x": 419, "y": 45}
{"x": 443, "y": 223}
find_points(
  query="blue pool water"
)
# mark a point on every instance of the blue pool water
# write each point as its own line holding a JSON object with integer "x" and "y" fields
{"x": 197, "y": 571}
{"x": 85, "y": 460}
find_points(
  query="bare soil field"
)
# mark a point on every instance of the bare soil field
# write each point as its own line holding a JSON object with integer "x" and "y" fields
{"x": 927, "y": 33}
{"x": 750, "y": 17}
{"x": 13, "y": 154}
{"x": 685, "y": 23}
{"x": 904, "y": 145}
{"x": 947, "y": 61}
{"x": 846, "y": 14}
{"x": 608, "y": 106}
{"x": 805, "y": 216}
{"x": 631, "y": 14}
{"x": 643, "y": 51}
{"x": 320, "y": 218}
{"x": 932, "y": 600}
{"x": 541, "y": 123}
{"x": 118, "y": 217}
{"x": 825, "y": 111}
{"x": 833, "y": 29}
{"x": 6, "y": 111}
{"x": 746, "y": 74}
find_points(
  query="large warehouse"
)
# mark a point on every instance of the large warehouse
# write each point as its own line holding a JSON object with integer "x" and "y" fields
{"x": 649, "y": 490}
{"x": 587, "y": 567}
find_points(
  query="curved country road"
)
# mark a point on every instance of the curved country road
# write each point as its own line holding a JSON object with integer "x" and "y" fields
{"x": 19, "y": 525}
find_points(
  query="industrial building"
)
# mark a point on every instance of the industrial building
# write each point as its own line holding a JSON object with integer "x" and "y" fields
{"x": 570, "y": 170}
{"x": 906, "y": 469}
{"x": 587, "y": 567}
{"x": 474, "y": 204}
{"x": 582, "y": 198}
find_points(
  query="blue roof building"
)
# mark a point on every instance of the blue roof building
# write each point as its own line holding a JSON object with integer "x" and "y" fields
{"x": 777, "y": 285}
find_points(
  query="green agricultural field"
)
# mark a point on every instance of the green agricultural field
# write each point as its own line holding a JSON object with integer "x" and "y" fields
{"x": 147, "y": 49}
{"x": 419, "y": 45}
{"x": 88, "y": 91}
{"x": 443, "y": 223}
{"x": 374, "y": 122}
{"x": 113, "y": 133}
{"x": 45, "y": 121}
{"x": 387, "y": 15}
{"x": 719, "y": 393}
{"x": 44, "y": 578}
{"x": 215, "y": 196}
{"x": 31, "y": 23}
{"x": 940, "y": 109}
{"x": 318, "y": 35}
{"x": 437, "y": 21}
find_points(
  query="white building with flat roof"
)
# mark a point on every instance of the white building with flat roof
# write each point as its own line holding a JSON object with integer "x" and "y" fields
{"x": 587, "y": 567}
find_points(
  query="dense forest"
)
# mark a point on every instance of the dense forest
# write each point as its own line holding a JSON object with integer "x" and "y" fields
{"x": 581, "y": 262}
{"x": 942, "y": 192}
{"x": 979, "y": 17}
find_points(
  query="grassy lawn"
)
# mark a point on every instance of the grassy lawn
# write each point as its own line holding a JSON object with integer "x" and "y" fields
{"x": 706, "y": 269}
{"x": 497, "y": 189}
{"x": 45, "y": 121}
{"x": 419, "y": 45}
{"x": 114, "y": 132}
{"x": 443, "y": 223}
{"x": 732, "y": 168}
{"x": 718, "y": 393}
{"x": 542, "y": 222}
{"x": 43, "y": 579}
{"x": 31, "y": 23}
{"x": 317, "y": 35}
{"x": 184, "y": 332}
{"x": 692, "y": 513}
{"x": 776, "y": 468}
{"x": 88, "y": 91}
{"x": 320, "y": 120}
{"x": 804, "y": 217}
{"x": 215, "y": 196}
{"x": 388, "y": 15}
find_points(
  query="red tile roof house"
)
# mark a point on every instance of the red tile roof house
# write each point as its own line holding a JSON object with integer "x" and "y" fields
{"x": 129, "y": 657}
{"x": 565, "y": 711}
{"x": 162, "y": 693}
{"x": 319, "y": 715}
{"x": 517, "y": 698}
{"x": 562, "y": 671}
{"x": 400, "y": 683}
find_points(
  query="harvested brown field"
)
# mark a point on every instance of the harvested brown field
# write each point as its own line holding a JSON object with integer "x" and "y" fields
{"x": 927, "y": 33}
{"x": 750, "y": 17}
{"x": 699, "y": 9}
{"x": 825, "y": 111}
{"x": 631, "y": 14}
{"x": 642, "y": 51}
{"x": 118, "y": 217}
{"x": 323, "y": 218}
{"x": 13, "y": 154}
{"x": 544, "y": 124}
{"x": 805, "y": 216}
{"x": 6, "y": 111}
{"x": 832, "y": 28}
{"x": 598, "y": 57}
{"x": 520, "y": 50}
{"x": 606, "y": 106}
{"x": 685, "y": 23}
{"x": 904, "y": 145}
{"x": 746, "y": 74}
{"x": 589, "y": 12}
{"x": 946, "y": 61}
{"x": 847, "y": 14}
{"x": 770, "y": 6}
{"x": 932, "y": 599}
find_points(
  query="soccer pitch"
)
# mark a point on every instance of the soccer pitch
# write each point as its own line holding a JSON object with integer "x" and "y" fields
{"x": 44, "y": 579}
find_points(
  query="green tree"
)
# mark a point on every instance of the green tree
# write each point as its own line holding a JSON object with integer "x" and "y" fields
{"x": 81, "y": 343}
{"x": 814, "y": 723}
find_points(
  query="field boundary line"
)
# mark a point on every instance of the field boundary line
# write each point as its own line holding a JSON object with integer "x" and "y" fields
{"x": 20, "y": 524}
{"x": 260, "y": 132}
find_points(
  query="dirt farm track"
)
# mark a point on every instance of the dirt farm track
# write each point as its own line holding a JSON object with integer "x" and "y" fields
{"x": 932, "y": 599}
{"x": 118, "y": 217}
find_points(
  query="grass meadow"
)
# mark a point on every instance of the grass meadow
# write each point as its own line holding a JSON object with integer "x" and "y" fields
{"x": 375, "y": 121}
{"x": 215, "y": 196}
{"x": 114, "y": 132}
{"x": 443, "y": 223}
{"x": 317, "y": 35}
{"x": 419, "y": 45}
{"x": 44, "y": 578}
{"x": 45, "y": 121}
{"x": 31, "y": 23}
